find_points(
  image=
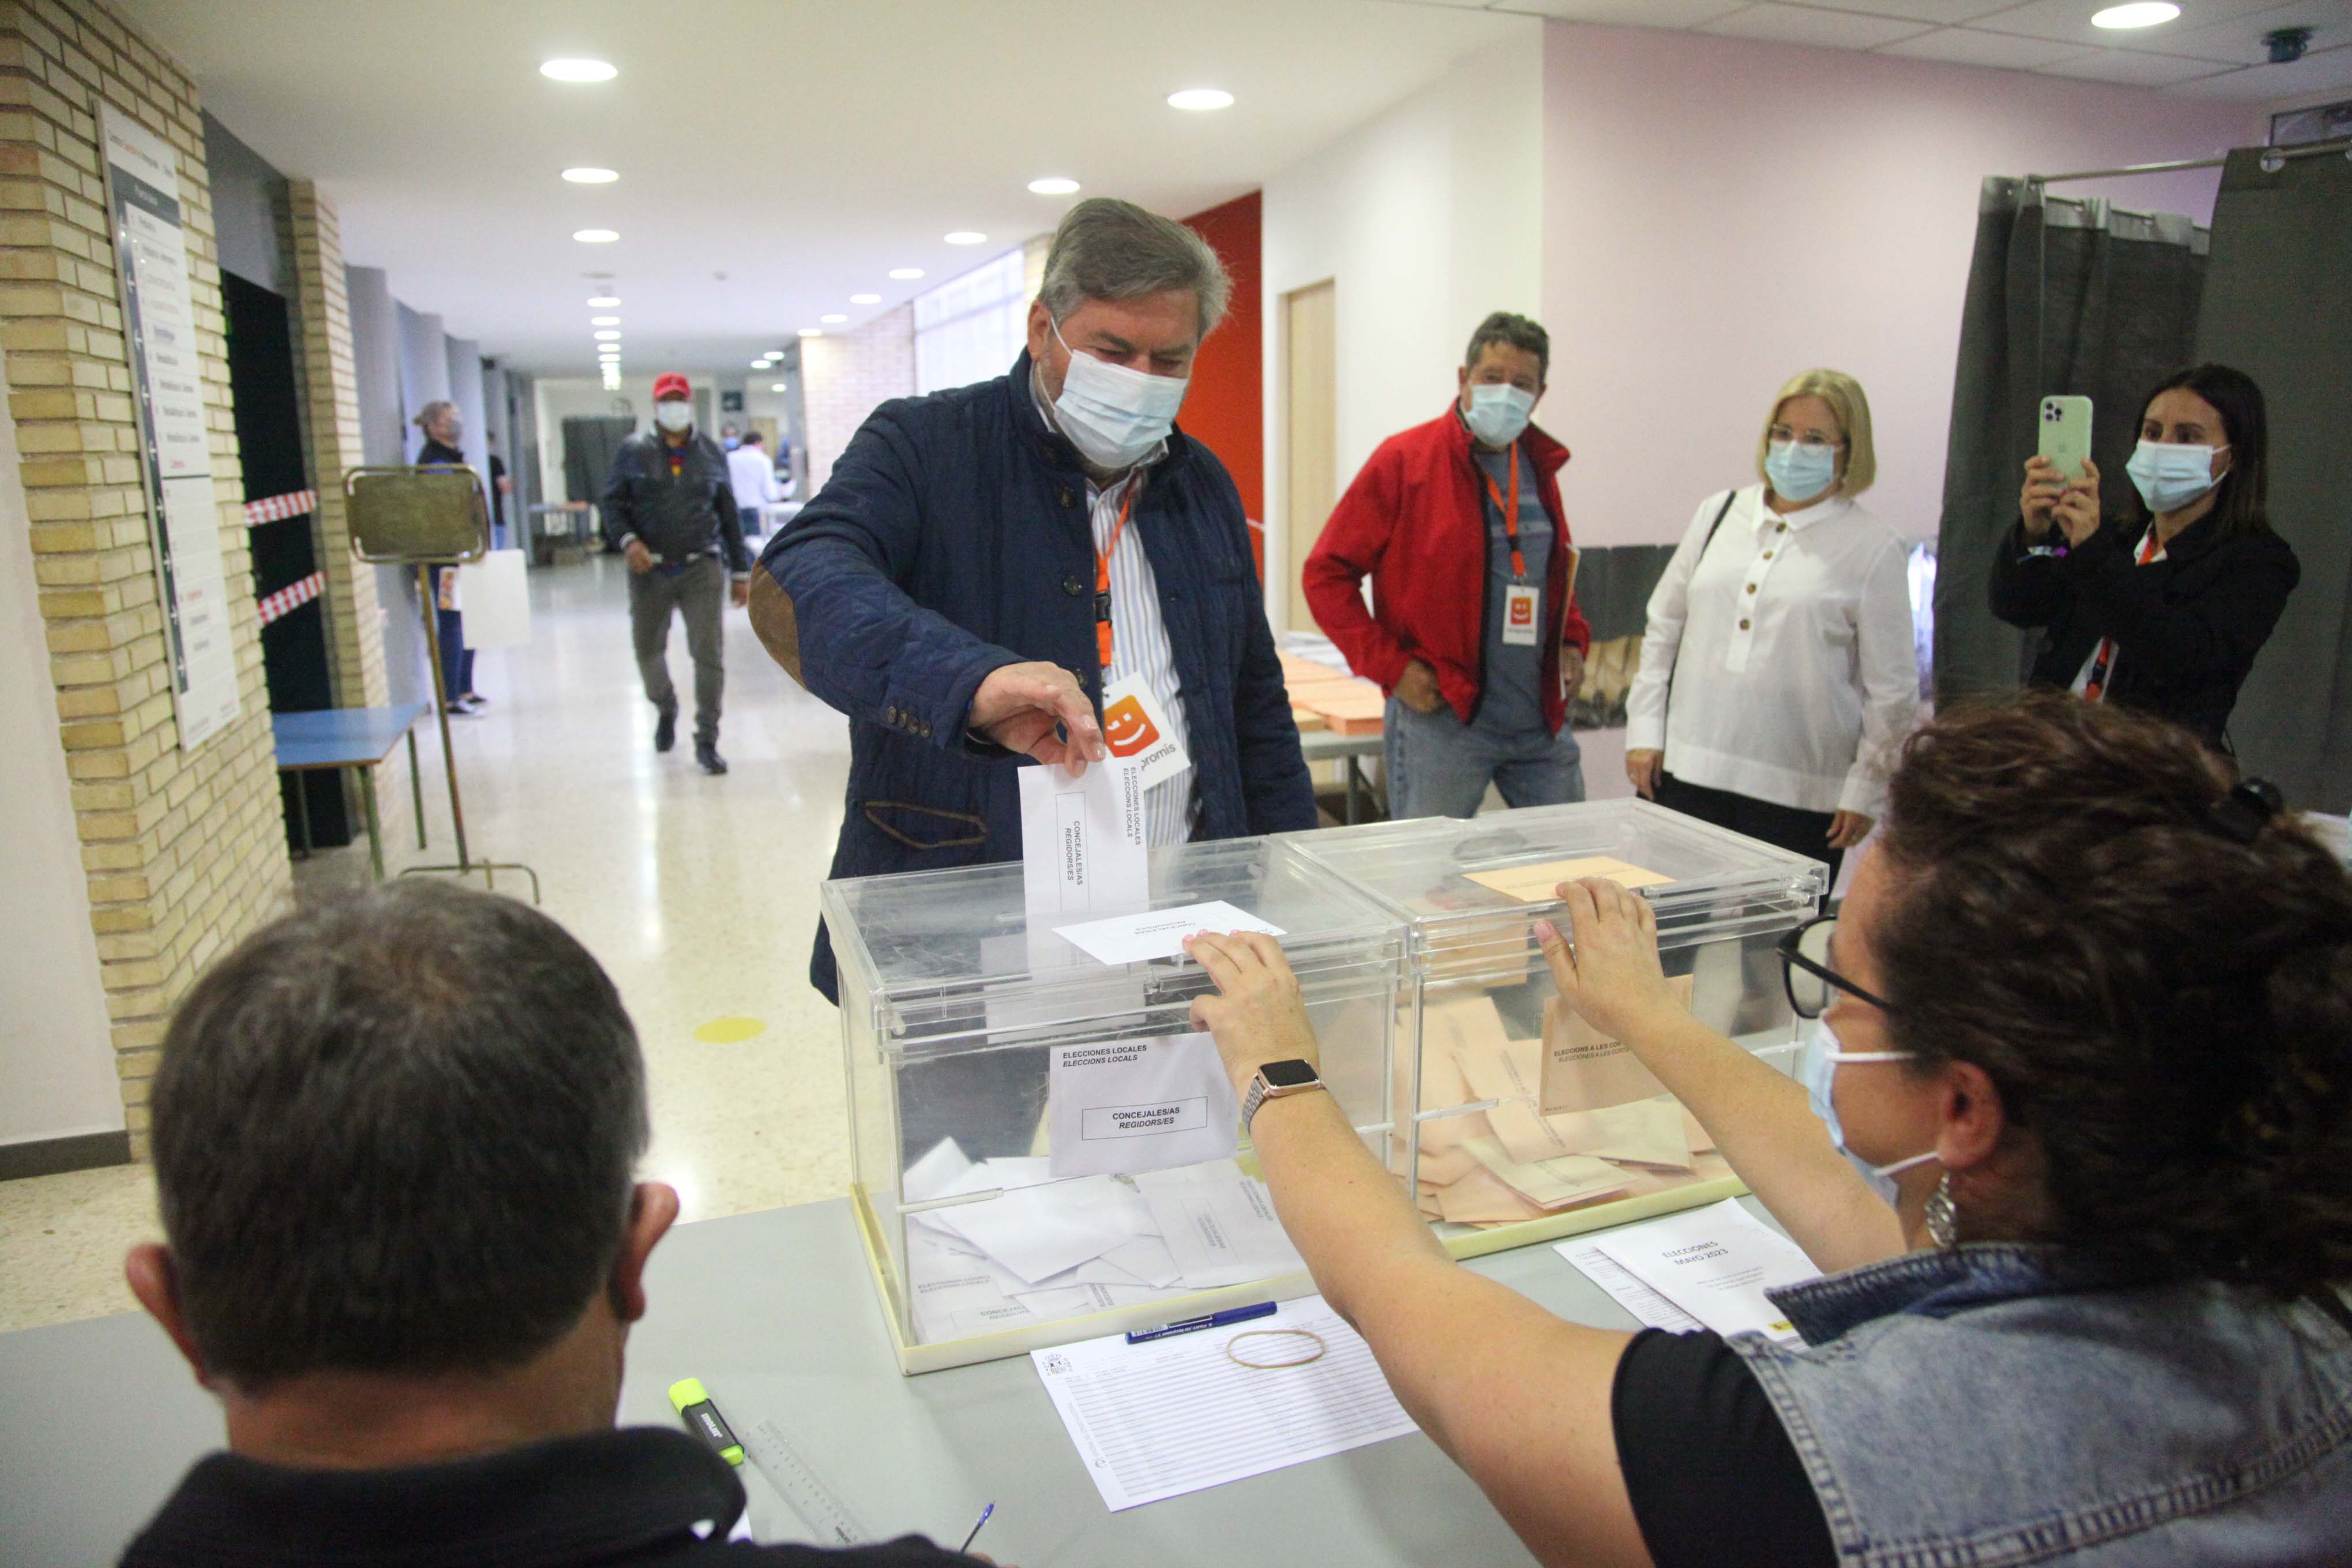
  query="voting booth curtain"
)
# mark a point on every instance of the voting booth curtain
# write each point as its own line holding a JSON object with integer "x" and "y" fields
{"x": 2065, "y": 296}
{"x": 2276, "y": 307}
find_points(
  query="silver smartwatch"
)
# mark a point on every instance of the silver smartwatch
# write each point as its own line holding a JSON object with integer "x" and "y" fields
{"x": 1275, "y": 1079}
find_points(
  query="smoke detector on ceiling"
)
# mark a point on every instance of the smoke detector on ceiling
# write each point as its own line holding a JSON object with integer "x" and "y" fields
{"x": 2286, "y": 44}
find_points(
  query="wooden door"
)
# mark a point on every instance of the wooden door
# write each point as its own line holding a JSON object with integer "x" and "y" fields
{"x": 1310, "y": 458}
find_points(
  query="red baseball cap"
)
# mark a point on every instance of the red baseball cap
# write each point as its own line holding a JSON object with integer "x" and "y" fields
{"x": 670, "y": 385}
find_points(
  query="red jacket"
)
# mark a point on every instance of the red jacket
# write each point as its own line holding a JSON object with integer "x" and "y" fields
{"x": 1415, "y": 519}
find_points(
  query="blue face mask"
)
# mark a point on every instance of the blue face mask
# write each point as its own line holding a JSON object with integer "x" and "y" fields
{"x": 2168, "y": 475}
{"x": 1112, "y": 414}
{"x": 1499, "y": 412}
{"x": 1817, "y": 1065}
{"x": 1800, "y": 472}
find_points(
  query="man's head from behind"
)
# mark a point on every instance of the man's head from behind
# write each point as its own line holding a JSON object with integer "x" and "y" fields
{"x": 395, "y": 1140}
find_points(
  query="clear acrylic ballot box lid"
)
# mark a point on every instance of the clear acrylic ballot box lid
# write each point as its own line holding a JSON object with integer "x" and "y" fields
{"x": 1043, "y": 1149}
{"x": 1527, "y": 1122}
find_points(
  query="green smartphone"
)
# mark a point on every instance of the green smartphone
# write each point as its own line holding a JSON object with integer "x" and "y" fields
{"x": 2066, "y": 434}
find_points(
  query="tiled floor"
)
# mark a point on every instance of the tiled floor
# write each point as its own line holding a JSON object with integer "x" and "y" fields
{"x": 698, "y": 895}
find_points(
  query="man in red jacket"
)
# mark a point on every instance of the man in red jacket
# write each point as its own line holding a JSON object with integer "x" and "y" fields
{"x": 1474, "y": 630}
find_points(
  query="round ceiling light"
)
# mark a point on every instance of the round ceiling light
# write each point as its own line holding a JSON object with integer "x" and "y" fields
{"x": 1053, "y": 185}
{"x": 966, "y": 236}
{"x": 832, "y": 320}
{"x": 906, "y": 274}
{"x": 604, "y": 301}
{"x": 608, "y": 336}
{"x": 2140, "y": 14}
{"x": 595, "y": 235}
{"x": 592, "y": 176}
{"x": 578, "y": 69}
{"x": 761, "y": 364}
{"x": 1201, "y": 98}
{"x": 812, "y": 332}
{"x": 865, "y": 299}
{"x": 778, "y": 387}
{"x": 603, "y": 320}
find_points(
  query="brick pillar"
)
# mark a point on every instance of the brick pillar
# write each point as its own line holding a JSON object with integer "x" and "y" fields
{"x": 329, "y": 388}
{"x": 845, "y": 377}
{"x": 185, "y": 851}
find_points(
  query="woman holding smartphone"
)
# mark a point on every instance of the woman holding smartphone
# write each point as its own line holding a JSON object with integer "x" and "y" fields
{"x": 1778, "y": 666}
{"x": 2165, "y": 610}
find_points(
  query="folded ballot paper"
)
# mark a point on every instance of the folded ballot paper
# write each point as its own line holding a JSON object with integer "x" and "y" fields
{"x": 1042, "y": 1248}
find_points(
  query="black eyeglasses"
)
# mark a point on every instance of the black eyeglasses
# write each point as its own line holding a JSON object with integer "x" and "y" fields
{"x": 1805, "y": 970}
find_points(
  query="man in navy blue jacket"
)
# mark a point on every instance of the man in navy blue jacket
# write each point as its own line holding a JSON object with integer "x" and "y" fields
{"x": 983, "y": 561}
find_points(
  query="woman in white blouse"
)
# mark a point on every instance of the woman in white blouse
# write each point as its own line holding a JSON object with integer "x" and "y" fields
{"x": 1778, "y": 672}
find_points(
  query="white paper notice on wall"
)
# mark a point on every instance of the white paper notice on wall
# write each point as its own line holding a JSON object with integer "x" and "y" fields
{"x": 1137, "y": 732}
{"x": 1082, "y": 844}
{"x": 495, "y": 600}
{"x": 1119, "y": 1108}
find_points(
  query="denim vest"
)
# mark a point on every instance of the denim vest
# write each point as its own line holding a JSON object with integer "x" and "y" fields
{"x": 1999, "y": 1403}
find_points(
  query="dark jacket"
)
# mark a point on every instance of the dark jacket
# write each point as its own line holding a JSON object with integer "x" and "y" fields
{"x": 2187, "y": 628}
{"x": 1415, "y": 519}
{"x": 676, "y": 518}
{"x": 609, "y": 1499}
{"x": 953, "y": 538}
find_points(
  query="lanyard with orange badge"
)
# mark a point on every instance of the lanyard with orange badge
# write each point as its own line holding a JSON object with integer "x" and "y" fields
{"x": 1102, "y": 573}
{"x": 2096, "y": 689}
{"x": 1519, "y": 595}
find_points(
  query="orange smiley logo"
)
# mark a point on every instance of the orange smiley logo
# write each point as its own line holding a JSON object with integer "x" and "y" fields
{"x": 1128, "y": 729}
{"x": 1523, "y": 612}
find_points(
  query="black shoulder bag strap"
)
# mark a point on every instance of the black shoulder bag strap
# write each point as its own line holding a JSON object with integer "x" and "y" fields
{"x": 1721, "y": 512}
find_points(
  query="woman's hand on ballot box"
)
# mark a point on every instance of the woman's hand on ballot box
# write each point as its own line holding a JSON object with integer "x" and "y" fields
{"x": 1256, "y": 1016}
{"x": 1611, "y": 973}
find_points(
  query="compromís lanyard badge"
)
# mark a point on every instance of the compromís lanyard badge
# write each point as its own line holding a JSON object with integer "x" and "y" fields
{"x": 2096, "y": 689}
{"x": 1520, "y": 596}
{"x": 1102, "y": 573}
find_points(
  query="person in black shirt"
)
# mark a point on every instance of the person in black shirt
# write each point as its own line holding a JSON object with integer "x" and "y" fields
{"x": 444, "y": 429}
{"x": 394, "y": 1140}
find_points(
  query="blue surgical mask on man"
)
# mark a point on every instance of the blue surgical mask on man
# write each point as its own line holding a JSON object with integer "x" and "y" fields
{"x": 2169, "y": 476}
{"x": 1799, "y": 471}
{"x": 1112, "y": 414}
{"x": 1817, "y": 1065}
{"x": 1499, "y": 412}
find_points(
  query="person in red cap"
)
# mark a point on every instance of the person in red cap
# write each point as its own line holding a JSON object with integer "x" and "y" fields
{"x": 669, "y": 509}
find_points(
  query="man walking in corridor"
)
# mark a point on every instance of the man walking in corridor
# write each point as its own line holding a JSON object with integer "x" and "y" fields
{"x": 669, "y": 510}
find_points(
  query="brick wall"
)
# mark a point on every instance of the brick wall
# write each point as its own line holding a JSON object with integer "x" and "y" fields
{"x": 845, "y": 377}
{"x": 185, "y": 851}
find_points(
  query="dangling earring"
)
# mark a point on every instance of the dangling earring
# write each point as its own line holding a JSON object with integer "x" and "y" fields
{"x": 1943, "y": 1219}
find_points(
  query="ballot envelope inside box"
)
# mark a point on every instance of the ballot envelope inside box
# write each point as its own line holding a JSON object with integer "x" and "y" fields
{"x": 1043, "y": 1149}
{"x": 1524, "y": 1122}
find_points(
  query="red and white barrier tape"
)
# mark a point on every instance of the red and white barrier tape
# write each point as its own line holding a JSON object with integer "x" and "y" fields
{"x": 297, "y": 593}
{"x": 269, "y": 509}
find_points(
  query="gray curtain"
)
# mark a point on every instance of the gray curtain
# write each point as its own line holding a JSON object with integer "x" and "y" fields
{"x": 2277, "y": 308}
{"x": 2065, "y": 296}
{"x": 590, "y": 440}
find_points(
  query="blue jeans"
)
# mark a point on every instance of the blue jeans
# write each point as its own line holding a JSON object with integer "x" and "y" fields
{"x": 1438, "y": 766}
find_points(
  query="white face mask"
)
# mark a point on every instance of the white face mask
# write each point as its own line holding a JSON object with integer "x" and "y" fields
{"x": 2169, "y": 476}
{"x": 1817, "y": 1070}
{"x": 673, "y": 415}
{"x": 1499, "y": 412}
{"x": 1112, "y": 414}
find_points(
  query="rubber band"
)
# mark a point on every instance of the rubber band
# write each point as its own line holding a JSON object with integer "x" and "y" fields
{"x": 1321, "y": 1348}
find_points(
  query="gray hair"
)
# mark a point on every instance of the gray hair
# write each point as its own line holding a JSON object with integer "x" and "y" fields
{"x": 396, "y": 1133}
{"x": 430, "y": 414}
{"x": 1109, "y": 249}
{"x": 1515, "y": 332}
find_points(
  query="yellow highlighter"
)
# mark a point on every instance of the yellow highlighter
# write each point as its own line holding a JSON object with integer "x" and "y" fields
{"x": 695, "y": 1406}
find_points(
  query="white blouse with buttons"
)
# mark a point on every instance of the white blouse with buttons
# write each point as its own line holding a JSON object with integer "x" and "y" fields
{"x": 1790, "y": 646}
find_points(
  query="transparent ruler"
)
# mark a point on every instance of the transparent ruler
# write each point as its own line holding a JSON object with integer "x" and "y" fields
{"x": 829, "y": 1524}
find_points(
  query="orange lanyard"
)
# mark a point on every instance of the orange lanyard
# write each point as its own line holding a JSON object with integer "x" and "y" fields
{"x": 2096, "y": 689}
{"x": 1510, "y": 514}
{"x": 1102, "y": 573}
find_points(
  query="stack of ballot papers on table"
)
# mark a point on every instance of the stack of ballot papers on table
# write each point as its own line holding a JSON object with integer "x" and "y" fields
{"x": 1044, "y": 1250}
{"x": 1702, "y": 1269}
{"x": 1516, "y": 1160}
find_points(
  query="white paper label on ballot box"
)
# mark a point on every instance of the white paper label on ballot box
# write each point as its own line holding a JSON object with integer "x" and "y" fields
{"x": 1119, "y": 1108}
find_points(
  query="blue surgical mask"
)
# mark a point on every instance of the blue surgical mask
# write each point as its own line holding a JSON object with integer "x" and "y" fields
{"x": 1817, "y": 1065}
{"x": 1499, "y": 412}
{"x": 1800, "y": 472}
{"x": 2169, "y": 476}
{"x": 1112, "y": 414}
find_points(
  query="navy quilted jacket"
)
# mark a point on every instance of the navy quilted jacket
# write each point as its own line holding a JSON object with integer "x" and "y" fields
{"x": 952, "y": 539}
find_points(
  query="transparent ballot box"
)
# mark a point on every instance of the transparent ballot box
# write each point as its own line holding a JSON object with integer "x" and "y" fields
{"x": 1044, "y": 1149}
{"x": 1529, "y": 1123}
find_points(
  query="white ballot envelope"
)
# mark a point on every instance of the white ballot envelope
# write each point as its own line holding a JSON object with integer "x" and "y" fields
{"x": 1082, "y": 844}
{"x": 1118, "y": 1108}
{"x": 1137, "y": 732}
{"x": 1158, "y": 934}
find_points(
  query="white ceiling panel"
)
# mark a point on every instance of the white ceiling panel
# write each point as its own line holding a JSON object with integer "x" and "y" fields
{"x": 1821, "y": 29}
{"x": 1671, "y": 14}
{"x": 1945, "y": 12}
{"x": 2069, "y": 22}
{"x": 2129, "y": 69}
{"x": 1967, "y": 47}
{"x": 2315, "y": 75}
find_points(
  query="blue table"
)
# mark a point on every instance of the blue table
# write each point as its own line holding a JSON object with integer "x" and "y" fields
{"x": 354, "y": 738}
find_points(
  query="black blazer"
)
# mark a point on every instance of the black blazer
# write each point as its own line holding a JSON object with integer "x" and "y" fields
{"x": 2187, "y": 628}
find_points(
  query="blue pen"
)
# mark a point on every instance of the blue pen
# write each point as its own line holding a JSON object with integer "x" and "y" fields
{"x": 975, "y": 1528}
{"x": 1214, "y": 1321}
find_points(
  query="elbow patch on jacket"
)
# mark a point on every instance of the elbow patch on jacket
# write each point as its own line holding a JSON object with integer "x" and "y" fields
{"x": 776, "y": 622}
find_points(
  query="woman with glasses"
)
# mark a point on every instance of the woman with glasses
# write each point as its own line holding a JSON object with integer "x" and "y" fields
{"x": 1777, "y": 671}
{"x": 2083, "y": 1033}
